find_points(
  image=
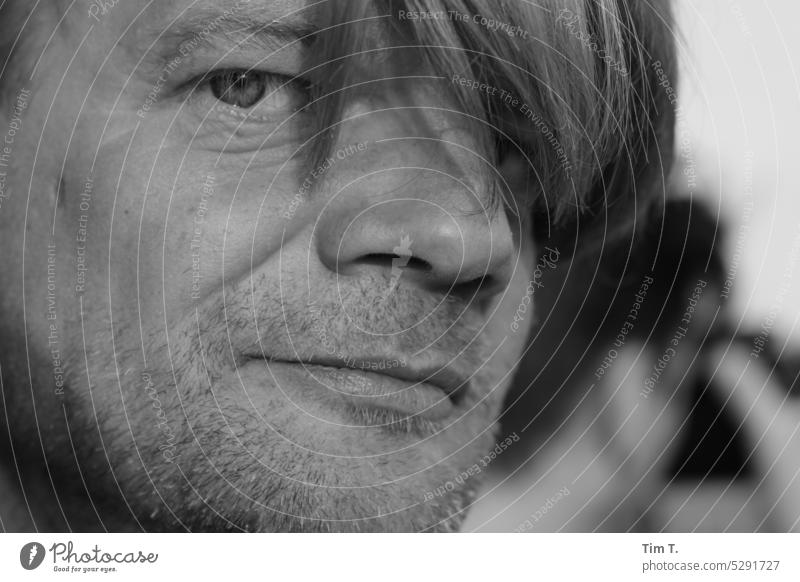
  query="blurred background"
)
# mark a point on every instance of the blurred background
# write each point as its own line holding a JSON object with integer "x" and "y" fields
{"x": 596, "y": 451}
{"x": 740, "y": 93}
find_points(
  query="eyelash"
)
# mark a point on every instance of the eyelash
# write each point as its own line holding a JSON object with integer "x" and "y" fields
{"x": 272, "y": 84}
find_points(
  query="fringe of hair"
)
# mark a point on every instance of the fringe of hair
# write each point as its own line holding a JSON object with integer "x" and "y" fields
{"x": 597, "y": 130}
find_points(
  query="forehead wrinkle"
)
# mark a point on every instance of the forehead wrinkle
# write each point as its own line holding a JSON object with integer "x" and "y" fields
{"x": 231, "y": 20}
{"x": 266, "y": 35}
{"x": 225, "y": 25}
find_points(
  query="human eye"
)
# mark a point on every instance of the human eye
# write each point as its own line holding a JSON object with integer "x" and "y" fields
{"x": 250, "y": 93}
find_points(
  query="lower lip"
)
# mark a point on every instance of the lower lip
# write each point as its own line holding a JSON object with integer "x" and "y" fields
{"x": 366, "y": 389}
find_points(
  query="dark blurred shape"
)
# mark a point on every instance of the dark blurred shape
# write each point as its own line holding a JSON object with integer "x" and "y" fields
{"x": 713, "y": 446}
{"x": 582, "y": 307}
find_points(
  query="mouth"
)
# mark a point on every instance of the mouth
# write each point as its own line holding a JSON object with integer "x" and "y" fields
{"x": 407, "y": 389}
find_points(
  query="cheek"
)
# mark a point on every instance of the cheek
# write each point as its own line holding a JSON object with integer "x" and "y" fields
{"x": 514, "y": 313}
{"x": 174, "y": 222}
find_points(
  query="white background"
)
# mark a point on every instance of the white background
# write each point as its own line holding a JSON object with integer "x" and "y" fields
{"x": 740, "y": 90}
{"x": 404, "y": 557}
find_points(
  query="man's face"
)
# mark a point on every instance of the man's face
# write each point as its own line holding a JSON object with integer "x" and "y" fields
{"x": 249, "y": 340}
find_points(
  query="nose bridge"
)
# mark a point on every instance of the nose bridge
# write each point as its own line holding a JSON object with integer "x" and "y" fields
{"x": 449, "y": 145}
{"x": 449, "y": 172}
{"x": 422, "y": 129}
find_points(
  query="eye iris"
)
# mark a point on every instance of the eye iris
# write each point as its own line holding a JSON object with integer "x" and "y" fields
{"x": 239, "y": 88}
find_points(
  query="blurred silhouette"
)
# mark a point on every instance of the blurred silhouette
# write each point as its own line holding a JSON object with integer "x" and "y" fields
{"x": 639, "y": 399}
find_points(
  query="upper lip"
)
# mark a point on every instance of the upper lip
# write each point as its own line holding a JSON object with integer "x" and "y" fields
{"x": 443, "y": 376}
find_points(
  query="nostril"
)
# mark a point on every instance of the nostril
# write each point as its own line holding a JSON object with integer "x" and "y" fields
{"x": 418, "y": 264}
{"x": 390, "y": 260}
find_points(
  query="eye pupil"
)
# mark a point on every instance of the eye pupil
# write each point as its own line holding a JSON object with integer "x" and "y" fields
{"x": 239, "y": 88}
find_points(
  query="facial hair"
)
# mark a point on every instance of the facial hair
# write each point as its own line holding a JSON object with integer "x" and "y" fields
{"x": 190, "y": 448}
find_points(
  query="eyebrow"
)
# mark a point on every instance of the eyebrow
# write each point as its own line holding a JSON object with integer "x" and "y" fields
{"x": 214, "y": 27}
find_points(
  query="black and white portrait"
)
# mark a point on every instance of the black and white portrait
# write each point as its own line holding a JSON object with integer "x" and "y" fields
{"x": 398, "y": 266}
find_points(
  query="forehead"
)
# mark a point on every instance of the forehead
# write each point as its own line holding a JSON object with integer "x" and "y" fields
{"x": 168, "y": 11}
{"x": 140, "y": 23}
{"x": 159, "y": 26}
{"x": 224, "y": 16}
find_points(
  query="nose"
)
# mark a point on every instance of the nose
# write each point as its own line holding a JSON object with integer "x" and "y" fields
{"x": 431, "y": 231}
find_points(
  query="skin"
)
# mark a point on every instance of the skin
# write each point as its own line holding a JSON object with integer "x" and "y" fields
{"x": 201, "y": 264}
